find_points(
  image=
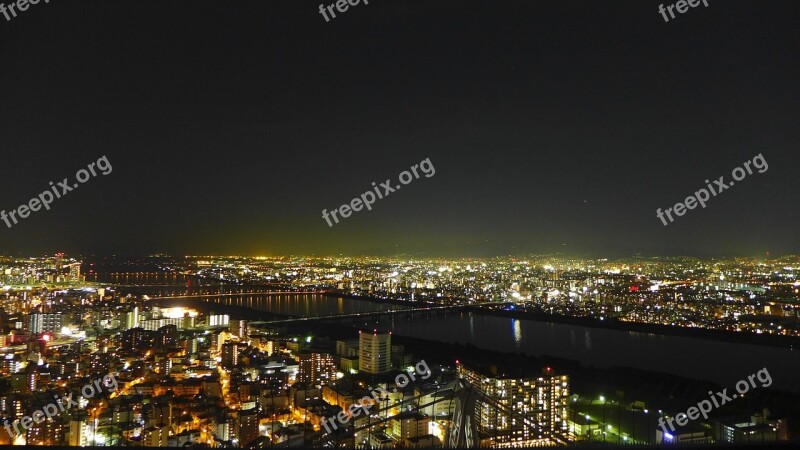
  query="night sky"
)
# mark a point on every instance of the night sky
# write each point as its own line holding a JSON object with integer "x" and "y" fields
{"x": 553, "y": 126}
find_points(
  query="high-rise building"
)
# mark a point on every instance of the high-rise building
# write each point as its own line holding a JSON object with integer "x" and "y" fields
{"x": 316, "y": 368}
{"x": 182, "y": 323}
{"x": 218, "y": 320}
{"x": 75, "y": 271}
{"x": 158, "y": 413}
{"x": 132, "y": 318}
{"x": 408, "y": 424}
{"x": 375, "y": 352}
{"x": 46, "y": 323}
{"x": 156, "y": 436}
{"x": 10, "y": 365}
{"x": 230, "y": 354}
{"x": 138, "y": 338}
{"x": 168, "y": 336}
{"x": 238, "y": 328}
{"x": 79, "y": 429}
{"x": 188, "y": 322}
{"x": 247, "y": 427}
{"x": 518, "y": 409}
{"x": 222, "y": 426}
{"x": 51, "y": 431}
{"x": 189, "y": 344}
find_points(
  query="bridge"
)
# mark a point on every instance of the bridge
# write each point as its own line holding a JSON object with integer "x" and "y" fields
{"x": 235, "y": 294}
{"x": 370, "y": 314}
{"x": 293, "y": 319}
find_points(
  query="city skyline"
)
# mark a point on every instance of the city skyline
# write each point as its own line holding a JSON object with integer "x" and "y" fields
{"x": 399, "y": 224}
{"x": 256, "y": 351}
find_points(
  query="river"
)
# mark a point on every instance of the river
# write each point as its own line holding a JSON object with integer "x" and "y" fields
{"x": 705, "y": 359}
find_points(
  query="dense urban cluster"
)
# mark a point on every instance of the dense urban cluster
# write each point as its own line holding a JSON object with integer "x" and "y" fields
{"x": 757, "y": 296}
{"x": 184, "y": 376}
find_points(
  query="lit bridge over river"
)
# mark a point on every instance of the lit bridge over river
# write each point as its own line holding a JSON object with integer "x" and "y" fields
{"x": 345, "y": 316}
{"x": 376, "y": 313}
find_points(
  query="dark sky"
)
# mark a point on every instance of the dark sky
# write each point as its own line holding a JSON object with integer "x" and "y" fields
{"x": 553, "y": 126}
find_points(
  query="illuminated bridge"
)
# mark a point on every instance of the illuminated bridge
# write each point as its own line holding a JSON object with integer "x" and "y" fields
{"x": 329, "y": 317}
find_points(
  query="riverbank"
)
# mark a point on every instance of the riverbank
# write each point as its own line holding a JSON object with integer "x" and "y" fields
{"x": 658, "y": 390}
{"x": 208, "y": 307}
{"x": 614, "y": 324}
{"x": 443, "y": 335}
{"x": 609, "y": 323}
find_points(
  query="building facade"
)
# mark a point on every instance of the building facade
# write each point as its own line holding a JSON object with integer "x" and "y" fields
{"x": 375, "y": 352}
{"x": 518, "y": 410}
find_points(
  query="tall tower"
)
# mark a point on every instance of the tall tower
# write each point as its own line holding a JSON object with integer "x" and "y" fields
{"x": 517, "y": 408}
{"x": 375, "y": 351}
{"x": 238, "y": 328}
{"x": 230, "y": 354}
{"x": 75, "y": 271}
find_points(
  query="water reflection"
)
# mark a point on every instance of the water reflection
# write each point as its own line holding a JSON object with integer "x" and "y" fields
{"x": 587, "y": 340}
{"x": 307, "y": 305}
{"x": 719, "y": 361}
{"x": 517, "y": 327}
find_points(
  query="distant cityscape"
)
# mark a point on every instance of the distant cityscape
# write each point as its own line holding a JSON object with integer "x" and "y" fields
{"x": 742, "y": 295}
{"x": 209, "y": 375}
